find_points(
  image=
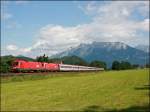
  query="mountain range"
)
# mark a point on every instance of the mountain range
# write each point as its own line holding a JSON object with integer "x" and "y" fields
{"x": 143, "y": 47}
{"x": 108, "y": 52}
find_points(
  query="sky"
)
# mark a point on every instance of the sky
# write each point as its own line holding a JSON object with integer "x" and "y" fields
{"x": 32, "y": 28}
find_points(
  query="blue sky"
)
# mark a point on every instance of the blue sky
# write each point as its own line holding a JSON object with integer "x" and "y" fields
{"x": 27, "y": 26}
{"x": 31, "y": 16}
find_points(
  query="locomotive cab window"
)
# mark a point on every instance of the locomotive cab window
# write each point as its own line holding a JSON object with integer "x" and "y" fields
{"x": 15, "y": 64}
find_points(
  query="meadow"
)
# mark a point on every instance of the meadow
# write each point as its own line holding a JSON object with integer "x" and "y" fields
{"x": 113, "y": 91}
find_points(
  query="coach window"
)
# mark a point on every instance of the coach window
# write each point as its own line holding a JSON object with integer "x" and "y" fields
{"x": 63, "y": 67}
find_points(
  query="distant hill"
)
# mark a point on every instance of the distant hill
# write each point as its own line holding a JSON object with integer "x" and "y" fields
{"x": 74, "y": 60}
{"x": 108, "y": 52}
{"x": 10, "y": 57}
{"x": 25, "y": 58}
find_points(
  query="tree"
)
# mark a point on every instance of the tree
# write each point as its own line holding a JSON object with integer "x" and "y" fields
{"x": 43, "y": 58}
{"x": 6, "y": 63}
{"x": 99, "y": 64}
{"x": 147, "y": 65}
{"x": 4, "y": 68}
{"x": 135, "y": 66}
{"x": 115, "y": 65}
{"x": 125, "y": 65}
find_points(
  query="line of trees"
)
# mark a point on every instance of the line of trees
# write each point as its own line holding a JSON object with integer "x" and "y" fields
{"x": 123, "y": 65}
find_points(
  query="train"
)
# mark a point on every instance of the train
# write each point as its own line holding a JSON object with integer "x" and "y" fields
{"x": 20, "y": 65}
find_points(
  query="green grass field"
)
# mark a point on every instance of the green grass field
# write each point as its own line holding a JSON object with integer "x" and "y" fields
{"x": 113, "y": 91}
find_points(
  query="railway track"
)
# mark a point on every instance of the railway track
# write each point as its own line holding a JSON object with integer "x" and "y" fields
{"x": 38, "y": 73}
{"x": 21, "y": 74}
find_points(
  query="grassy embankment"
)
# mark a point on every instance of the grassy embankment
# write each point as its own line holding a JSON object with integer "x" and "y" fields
{"x": 93, "y": 91}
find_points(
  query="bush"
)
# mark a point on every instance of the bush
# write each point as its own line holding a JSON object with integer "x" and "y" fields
{"x": 115, "y": 65}
{"x": 99, "y": 64}
{"x": 5, "y": 63}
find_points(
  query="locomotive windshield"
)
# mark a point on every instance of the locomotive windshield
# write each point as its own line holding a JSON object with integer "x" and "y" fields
{"x": 15, "y": 64}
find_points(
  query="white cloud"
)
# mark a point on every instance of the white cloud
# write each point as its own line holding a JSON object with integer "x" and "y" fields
{"x": 111, "y": 22}
{"x": 144, "y": 25}
{"x": 11, "y": 47}
{"x": 90, "y": 7}
{"x": 125, "y": 12}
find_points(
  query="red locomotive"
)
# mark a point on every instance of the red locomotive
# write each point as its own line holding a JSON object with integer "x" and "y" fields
{"x": 22, "y": 65}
